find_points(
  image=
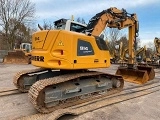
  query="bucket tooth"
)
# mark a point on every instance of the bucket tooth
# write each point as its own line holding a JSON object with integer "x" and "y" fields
{"x": 133, "y": 75}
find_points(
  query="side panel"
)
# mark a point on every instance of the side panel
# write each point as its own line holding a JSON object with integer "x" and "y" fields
{"x": 67, "y": 50}
{"x": 89, "y": 55}
{"x": 84, "y": 48}
{"x": 55, "y": 52}
{"x": 39, "y": 39}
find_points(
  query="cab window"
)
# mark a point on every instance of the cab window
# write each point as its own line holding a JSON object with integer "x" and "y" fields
{"x": 77, "y": 28}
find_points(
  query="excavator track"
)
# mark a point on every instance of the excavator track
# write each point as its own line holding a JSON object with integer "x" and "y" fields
{"x": 18, "y": 78}
{"x": 39, "y": 90}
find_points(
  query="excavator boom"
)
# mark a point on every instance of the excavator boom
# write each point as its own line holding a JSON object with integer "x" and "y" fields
{"x": 112, "y": 18}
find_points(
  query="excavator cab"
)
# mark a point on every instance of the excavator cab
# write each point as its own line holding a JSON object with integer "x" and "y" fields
{"x": 69, "y": 25}
{"x": 27, "y": 47}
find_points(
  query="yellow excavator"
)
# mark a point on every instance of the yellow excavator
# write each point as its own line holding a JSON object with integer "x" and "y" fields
{"x": 156, "y": 56}
{"x": 144, "y": 55}
{"x": 140, "y": 55}
{"x": 157, "y": 46}
{"x": 20, "y": 54}
{"x": 65, "y": 56}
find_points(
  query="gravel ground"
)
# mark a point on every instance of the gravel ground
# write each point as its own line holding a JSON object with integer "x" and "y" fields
{"x": 16, "y": 106}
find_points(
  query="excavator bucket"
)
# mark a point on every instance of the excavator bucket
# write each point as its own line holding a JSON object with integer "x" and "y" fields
{"x": 133, "y": 75}
{"x": 17, "y": 56}
{"x": 149, "y": 69}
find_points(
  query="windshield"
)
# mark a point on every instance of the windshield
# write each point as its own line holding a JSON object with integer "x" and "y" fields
{"x": 77, "y": 27}
{"x": 60, "y": 27}
{"x": 28, "y": 48}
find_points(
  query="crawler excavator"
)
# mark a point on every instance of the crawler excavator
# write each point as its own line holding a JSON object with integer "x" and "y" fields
{"x": 157, "y": 46}
{"x": 156, "y": 56}
{"x": 65, "y": 57}
{"x": 140, "y": 55}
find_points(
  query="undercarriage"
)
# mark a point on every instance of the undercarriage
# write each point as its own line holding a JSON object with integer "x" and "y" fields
{"x": 50, "y": 90}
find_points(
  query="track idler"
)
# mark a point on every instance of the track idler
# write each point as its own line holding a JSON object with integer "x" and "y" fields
{"x": 138, "y": 75}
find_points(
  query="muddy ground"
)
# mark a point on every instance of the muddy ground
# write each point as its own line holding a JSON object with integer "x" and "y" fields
{"x": 16, "y": 106}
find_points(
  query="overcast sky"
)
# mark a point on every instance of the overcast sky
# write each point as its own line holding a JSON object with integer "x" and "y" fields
{"x": 148, "y": 12}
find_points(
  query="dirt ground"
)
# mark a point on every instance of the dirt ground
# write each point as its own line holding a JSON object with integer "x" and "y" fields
{"x": 17, "y": 106}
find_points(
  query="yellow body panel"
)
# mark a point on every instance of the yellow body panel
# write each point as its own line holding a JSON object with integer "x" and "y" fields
{"x": 58, "y": 49}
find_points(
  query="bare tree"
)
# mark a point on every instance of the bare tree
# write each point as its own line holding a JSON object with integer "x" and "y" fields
{"x": 113, "y": 35}
{"x": 13, "y": 15}
{"x": 150, "y": 45}
{"x": 137, "y": 43}
{"x": 124, "y": 40}
{"x": 47, "y": 25}
{"x": 81, "y": 20}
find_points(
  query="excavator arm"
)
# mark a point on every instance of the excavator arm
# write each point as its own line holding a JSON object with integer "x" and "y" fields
{"x": 115, "y": 18}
